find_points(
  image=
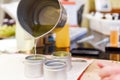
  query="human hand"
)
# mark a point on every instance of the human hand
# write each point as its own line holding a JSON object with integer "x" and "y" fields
{"x": 109, "y": 71}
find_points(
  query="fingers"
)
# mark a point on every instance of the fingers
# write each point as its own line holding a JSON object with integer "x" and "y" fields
{"x": 102, "y": 64}
{"x": 109, "y": 70}
{"x": 105, "y": 72}
{"x": 106, "y": 78}
{"x": 113, "y": 77}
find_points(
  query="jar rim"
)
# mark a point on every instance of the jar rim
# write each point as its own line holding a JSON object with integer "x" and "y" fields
{"x": 55, "y": 64}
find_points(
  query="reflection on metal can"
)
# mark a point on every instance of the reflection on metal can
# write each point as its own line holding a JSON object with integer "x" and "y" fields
{"x": 55, "y": 70}
{"x": 34, "y": 66}
{"x": 63, "y": 56}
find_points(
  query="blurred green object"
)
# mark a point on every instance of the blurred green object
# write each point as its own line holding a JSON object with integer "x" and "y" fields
{"x": 7, "y": 31}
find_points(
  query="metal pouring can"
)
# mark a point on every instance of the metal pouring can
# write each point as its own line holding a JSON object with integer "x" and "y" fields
{"x": 42, "y": 16}
{"x": 34, "y": 66}
{"x": 63, "y": 56}
{"x": 55, "y": 70}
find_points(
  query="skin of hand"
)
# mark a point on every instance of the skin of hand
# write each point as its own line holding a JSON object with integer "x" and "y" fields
{"x": 109, "y": 70}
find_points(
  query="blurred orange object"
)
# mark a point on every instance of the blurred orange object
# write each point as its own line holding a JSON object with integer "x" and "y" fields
{"x": 114, "y": 38}
{"x": 63, "y": 37}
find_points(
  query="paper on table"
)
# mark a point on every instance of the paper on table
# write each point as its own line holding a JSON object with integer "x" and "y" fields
{"x": 78, "y": 68}
{"x": 12, "y": 68}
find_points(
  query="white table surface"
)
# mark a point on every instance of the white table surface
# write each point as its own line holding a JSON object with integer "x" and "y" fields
{"x": 12, "y": 68}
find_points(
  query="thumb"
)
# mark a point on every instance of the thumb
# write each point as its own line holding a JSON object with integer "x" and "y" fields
{"x": 102, "y": 64}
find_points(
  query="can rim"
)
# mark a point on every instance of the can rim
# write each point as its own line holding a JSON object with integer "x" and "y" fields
{"x": 35, "y": 58}
{"x": 61, "y": 54}
{"x": 54, "y": 64}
